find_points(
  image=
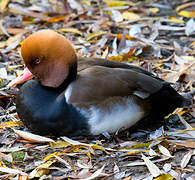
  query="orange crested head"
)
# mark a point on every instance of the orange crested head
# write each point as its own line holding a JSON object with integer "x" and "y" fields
{"x": 49, "y": 56}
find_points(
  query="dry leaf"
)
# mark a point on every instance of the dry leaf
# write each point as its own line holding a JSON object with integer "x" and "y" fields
{"x": 96, "y": 173}
{"x": 164, "y": 151}
{"x": 188, "y": 14}
{"x": 185, "y": 160}
{"x": 130, "y": 16}
{"x": 119, "y": 3}
{"x": 41, "y": 170}
{"x": 32, "y": 137}
{"x": 3, "y": 5}
{"x": 73, "y": 142}
{"x": 11, "y": 171}
{"x": 154, "y": 170}
{"x": 11, "y": 124}
{"x": 59, "y": 144}
{"x": 164, "y": 177}
{"x": 183, "y": 6}
{"x": 167, "y": 167}
{"x": 62, "y": 161}
{"x": 71, "y": 30}
{"x": 116, "y": 16}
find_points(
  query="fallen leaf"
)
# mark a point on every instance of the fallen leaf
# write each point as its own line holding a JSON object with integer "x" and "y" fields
{"x": 21, "y": 10}
{"x": 187, "y": 14}
{"x": 6, "y": 157}
{"x": 11, "y": 171}
{"x": 116, "y": 16}
{"x": 130, "y": 15}
{"x": 56, "y": 19}
{"x": 59, "y": 144}
{"x": 32, "y": 137}
{"x": 120, "y": 3}
{"x": 95, "y": 34}
{"x": 62, "y": 161}
{"x": 154, "y": 170}
{"x": 185, "y": 160}
{"x": 71, "y": 30}
{"x": 176, "y": 20}
{"x": 96, "y": 173}
{"x": 164, "y": 151}
{"x": 154, "y": 10}
{"x": 183, "y": 6}
{"x": 167, "y": 167}
{"x": 41, "y": 169}
{"x": 188, "y": 126}
{"x": 3, "y": 5}
{"x": 164, "y": 177}
{"x": 11, "y": 124}
{"x": 15, "y": 31}
{"x": 73, "y": 142}
{"x": 187, "y": 144}
{"x": 190, "y": 27}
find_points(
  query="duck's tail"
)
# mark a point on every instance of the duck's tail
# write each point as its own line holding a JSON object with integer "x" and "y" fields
{"x": 187, "y": 99}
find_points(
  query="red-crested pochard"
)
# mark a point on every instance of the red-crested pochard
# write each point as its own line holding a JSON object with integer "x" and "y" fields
{"x": 97, "y": 97}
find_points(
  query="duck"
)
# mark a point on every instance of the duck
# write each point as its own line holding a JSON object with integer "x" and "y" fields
{"x": 66, "y": 95}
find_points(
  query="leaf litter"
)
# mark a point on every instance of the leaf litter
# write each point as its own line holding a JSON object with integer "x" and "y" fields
{"x": 157, "y": 35}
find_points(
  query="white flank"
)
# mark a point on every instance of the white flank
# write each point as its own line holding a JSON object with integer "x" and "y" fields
{"x": 118, "y": 116}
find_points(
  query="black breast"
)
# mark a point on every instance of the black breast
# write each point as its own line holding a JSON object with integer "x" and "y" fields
{"x": 45, "y": 111}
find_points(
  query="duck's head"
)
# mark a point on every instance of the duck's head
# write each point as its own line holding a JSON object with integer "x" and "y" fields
{"x": 49, "y": 57}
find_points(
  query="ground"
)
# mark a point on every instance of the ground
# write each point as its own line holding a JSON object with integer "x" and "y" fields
{"x": 158, "y": 35}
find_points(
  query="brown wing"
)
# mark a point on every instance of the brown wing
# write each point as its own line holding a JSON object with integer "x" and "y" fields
{"x": 84, "y": 63}
{"x": 98, "y": 83}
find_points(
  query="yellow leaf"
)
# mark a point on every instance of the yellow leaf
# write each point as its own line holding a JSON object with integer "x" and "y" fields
{"x": 72, "y": 30}
{"x": 11, "y": 124}
{"x": 95, "y": 34}
{"x": 188, "y": 14}
{"x": 154, "y": 10}
{"x": 41, "y": 170}
{"x": 120, "y": 3}
{"x": 164, "y": 177}
{"x": 17, "y": 66}
{"x": 3, "y": 4}
{"x": 86, "y": 2}
{"x": 96, "y": 146}
{"x": 130, "y": 15}
{"x": 52, "y": 155}
{"x": 89, "y": 155}
{"x": 176, "y": 20}
{"x": 59, "y": 144}
{"x": 116, "y": 58}
{"x": 182, "y": 112}
{"x": 193, "y": 43}
{"x": 138, "y": 146}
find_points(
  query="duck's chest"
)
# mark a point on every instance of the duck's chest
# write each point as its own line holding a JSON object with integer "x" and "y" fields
{"x": 45, "y": 111}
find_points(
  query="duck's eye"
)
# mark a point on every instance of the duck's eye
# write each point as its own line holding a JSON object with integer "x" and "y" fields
{"x": 37, "y": 61}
